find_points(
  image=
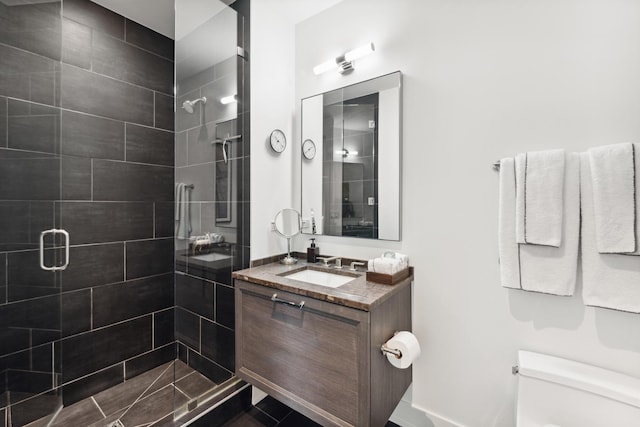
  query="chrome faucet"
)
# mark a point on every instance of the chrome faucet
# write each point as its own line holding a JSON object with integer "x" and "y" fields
{"x": 355, "y": 264}
{"x": 327, "y": 260}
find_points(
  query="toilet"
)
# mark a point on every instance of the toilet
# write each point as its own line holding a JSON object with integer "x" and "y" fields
{"x": 556, "y": 392}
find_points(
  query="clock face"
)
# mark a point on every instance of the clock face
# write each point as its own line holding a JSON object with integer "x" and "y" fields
{"x": 309, "y": 149}
{"x": 278, "y": 141}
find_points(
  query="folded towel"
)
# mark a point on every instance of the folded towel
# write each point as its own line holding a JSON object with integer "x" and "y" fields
{"x": 520, "y": 186}
{"x": 612, "y": 172}
{"x": 507, "y": 246}
{"x": 609, "y": 280}
{"x": 385, "y": 265}
{"x": 183, "y": 212}
{"x": 404, "y": 259}
{"x": 540, "y": 268}
{"x": 539, "y": 197}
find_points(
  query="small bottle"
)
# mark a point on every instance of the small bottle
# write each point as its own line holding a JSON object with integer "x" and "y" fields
{"x": 313, "y": 251}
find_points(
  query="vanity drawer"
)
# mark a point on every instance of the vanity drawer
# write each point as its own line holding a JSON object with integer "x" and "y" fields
{"x": 315, "y": 359}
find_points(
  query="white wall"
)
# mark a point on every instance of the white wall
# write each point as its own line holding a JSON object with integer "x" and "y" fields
{"x": 482, "y": 80}
{"x": 272, "y": 104}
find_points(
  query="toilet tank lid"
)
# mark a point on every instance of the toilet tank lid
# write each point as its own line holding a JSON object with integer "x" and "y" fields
{"x": 613, "y": 385}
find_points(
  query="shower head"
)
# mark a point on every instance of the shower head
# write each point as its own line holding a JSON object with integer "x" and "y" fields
{"x": 188, "y": 105}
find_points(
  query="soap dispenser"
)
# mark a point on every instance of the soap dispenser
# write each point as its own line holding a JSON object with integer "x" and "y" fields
{"x": 313, "y": 251}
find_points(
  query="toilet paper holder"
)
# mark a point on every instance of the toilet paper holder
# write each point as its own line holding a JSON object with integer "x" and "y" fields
{"x": 397, "y": 353}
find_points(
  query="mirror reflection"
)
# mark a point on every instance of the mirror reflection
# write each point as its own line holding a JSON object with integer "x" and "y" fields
{"x": 351, "y": 187}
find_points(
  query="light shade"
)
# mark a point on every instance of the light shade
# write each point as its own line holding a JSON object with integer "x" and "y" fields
{"x": 324, "y": 67}
{"x": 229, "y": 99}
{"x": 359, "y": 52}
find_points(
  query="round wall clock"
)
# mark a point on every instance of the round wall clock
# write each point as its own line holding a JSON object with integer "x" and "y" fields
{"x": 278, "y": 141}
{"x": 309, "y": 149}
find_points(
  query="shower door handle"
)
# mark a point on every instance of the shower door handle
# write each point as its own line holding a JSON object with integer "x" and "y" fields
{"x": 54, "y": 231}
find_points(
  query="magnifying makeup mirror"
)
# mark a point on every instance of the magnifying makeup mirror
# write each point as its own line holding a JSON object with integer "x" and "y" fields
{"x": 288, "y": 223}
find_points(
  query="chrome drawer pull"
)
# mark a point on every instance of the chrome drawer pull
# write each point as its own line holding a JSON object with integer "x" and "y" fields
{"x": 275, "y": 298}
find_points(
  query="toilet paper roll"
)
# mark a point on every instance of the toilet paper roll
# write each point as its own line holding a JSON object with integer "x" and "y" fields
{"x": 408, "y": 345}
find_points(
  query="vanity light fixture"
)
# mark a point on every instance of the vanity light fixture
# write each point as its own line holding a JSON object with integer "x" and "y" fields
{"x": 344, "y": 63}
{"x": 229, "y": 99}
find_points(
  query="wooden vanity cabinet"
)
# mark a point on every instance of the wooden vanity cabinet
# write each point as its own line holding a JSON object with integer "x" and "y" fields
{"x": 323, "y": 360}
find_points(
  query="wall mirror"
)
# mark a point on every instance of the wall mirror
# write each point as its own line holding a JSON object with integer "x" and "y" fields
{"x": 351, "y": 139}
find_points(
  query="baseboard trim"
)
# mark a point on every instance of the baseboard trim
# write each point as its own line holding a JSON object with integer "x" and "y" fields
{"x": 409, "y": 415}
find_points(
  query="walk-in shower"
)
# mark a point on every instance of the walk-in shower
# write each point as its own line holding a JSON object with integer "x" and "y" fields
{"x": 95, "y": 149}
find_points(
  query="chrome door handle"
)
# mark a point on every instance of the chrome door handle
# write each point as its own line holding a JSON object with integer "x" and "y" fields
{"x": 55, "y": 231}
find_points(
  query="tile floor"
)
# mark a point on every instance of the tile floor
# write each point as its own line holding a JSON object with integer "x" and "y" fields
{"x": 271, "y": 413}
{"x": 144, "y": 400}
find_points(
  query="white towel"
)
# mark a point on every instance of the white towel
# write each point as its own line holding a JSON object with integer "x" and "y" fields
{"x": 539, "y": 197}
{"x": 404, "y": 259}
{"x": 385, "y": 265}
{"x": 614, "y": 205}
{"x": 540, "y": 268}
{"x": 507, "y": 245}
{"x": 183, "y": 212}
{"x": 520, "y": 212}
{"x": 609, "y": 280}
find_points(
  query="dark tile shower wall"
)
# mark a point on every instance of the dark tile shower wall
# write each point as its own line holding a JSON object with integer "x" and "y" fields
{"x": 205, "y": 304}
{"x": 117, "y": 141}
{"x": 86, "y": 144}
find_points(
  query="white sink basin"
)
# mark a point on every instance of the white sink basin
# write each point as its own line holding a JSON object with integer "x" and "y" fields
{"x": 322, "y": 278}
{"x": 211, "y": 257}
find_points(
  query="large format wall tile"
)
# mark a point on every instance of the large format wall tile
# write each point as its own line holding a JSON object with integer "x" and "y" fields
{"x": 23, "y": 270}
{"x": 103, "y": 96}
{"x": 76, "y": 178}
{"x": 218, "y": 344}
{"x": 107, "y": 346}
{"x": 148, "y": 39}
{"x": 225, "y": 306}
{"x": 187, "y": 328}
{"x": 149, "y": 257}
{"x": 121, "y": 301}
{"x": 165, "y": 219}
{"x": 17, "y": 70}
{"x": 95, "y": 222}
{"x": 38, "y": 176}
{"x": 33, "y": 127}
{"x": 148, "y": 145}
{"x": 22, "y": 222}
{"x": 76, "y": 316}
{"x": 3, "y": 122}
{"x": 149, "y": 360}
{"x": 116, "y": 181}
{"x": 92, "y": 384}
{"x": 164, "y": 117}
{"x": 76, "y": 44}
{"x": 94, "y": 16}
{"x": 33, "y": 27}
{"x": 195, "y": 295}
{"x": 209, "y": 369}
{"x": 163, "y": 325}
{"x": 123, "y": 61}
{"x": 89, "y": 136}
{"x": 93, "y": 265}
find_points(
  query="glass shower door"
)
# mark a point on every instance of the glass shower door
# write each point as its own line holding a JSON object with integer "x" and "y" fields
{"x": 30, "y": 186}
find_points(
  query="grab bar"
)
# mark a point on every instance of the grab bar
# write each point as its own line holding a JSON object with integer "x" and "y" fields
{"x": 275, "y": 298}
{"x": 55, "y": 231}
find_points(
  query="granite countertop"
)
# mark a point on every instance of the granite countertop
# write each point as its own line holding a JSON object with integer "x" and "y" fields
{"x": 358, "y": 293}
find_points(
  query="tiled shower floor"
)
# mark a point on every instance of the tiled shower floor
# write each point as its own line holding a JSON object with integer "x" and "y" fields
{"x": 142, "y": 401}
